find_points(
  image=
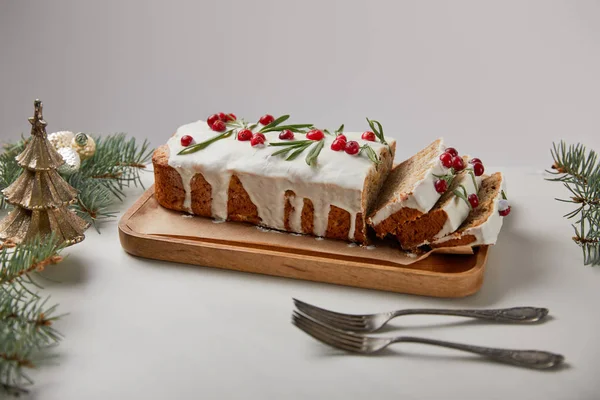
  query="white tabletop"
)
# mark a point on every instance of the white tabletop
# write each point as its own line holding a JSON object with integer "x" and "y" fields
{"x": 155, "y": 330}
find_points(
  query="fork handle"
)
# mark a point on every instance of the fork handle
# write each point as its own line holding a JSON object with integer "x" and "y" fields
{"x": 515, "y": 314}
{"x": 524, "y": 358}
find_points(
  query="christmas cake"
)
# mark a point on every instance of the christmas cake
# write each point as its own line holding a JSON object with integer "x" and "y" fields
{"x": 410, "y": 190}
{"x": 484, "y": 221}
{"x": 448, "y": 213}
{"x": 287, "y": 177}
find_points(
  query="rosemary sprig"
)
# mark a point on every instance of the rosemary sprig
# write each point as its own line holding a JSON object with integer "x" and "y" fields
{"x": 377, "y": 130}
{"x": 311, "y": 158}
{"x": 206, "y": 143}
{"x": 463, "y": 195}
{"x": 297, "y": 147}
{"x": 339, "y": 130}
{"x": 368, "y": 150}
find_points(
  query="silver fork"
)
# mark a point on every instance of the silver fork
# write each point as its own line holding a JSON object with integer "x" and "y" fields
{"x": 373, "y": 322}
{"x": 355, "y": 343}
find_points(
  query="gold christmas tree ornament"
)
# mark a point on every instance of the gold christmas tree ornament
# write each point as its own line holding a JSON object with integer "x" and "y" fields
{"x": 40, "y": 195}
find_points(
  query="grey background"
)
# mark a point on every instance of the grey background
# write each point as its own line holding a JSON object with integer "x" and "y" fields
{"x": 500, "y": 80}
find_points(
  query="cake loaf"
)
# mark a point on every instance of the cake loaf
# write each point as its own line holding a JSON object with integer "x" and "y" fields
{"x": 258, "y": 182}
{"x": 483, "y": 223}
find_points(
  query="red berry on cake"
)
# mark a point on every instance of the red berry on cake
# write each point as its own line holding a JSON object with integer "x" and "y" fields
{"x": 315, "y": 134}
{"x": 212, "y": 119}
{"x": 286, "y": 134}
{"x": 368, "y": 135}
{"x": 338, "y": 145}
{"x": 503, "y": 207}
{"x": 266, "y": 119}
{"x": 219, "y": 126}
{"x": 475, "y": 160}
{"x": 258, "y": 139}
{"x": 458, "y": 163}
{"x": 232, "y": 116}
{"x": 478, "y": 169}
{"x": 186, "y": 140}
{"x": 452, "y": 151}
{"x": 223, "y": 117}
{"x": 341, "y": 137}
{"x": 446, "y": 160}
{"x": 244, "y": 135}
{"x": 352, "y": 147}
{"x": 473, "y": 200}
{"x": 441, "y": 186}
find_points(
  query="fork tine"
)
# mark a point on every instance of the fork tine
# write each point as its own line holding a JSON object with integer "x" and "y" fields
{"x": 310, "y": 328}
{"x": 345, "y": 320}
{"x": 341, "y": 335}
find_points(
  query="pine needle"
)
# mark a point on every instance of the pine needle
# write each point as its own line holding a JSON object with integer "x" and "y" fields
{"x": 579, "y": 171}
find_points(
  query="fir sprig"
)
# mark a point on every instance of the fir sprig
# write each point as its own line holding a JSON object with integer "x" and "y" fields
{"x": 579, "y": 171}
{"x": 27, "y": 330}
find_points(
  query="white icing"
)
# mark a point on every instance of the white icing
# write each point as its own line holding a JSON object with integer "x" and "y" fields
{"x": 423, "y": 196}
{"x": 337, "y": 179}
{"x": 487, "y": 232}
{"x": 457, "y": 209}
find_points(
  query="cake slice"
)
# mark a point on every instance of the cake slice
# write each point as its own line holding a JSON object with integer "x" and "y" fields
{"x": 445, "y": 217}
{"x": 484, "y": 222}
{"x": 232, "y": 179}
{"x": 409, "y": 191}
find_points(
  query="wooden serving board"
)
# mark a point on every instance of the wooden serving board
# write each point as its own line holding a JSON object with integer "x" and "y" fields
{"x": 151, "y": 231}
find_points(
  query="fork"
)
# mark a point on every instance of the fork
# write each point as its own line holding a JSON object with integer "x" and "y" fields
{"x": 355, "y": 343}
{"x": 373, "y": 322}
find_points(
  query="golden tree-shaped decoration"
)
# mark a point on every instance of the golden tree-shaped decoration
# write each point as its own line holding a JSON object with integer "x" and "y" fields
{"x": 40, "y": 195}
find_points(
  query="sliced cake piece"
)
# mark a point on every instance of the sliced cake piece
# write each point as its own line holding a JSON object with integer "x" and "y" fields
{"x": 445, "y": 217}
{"x": 409, "y": 191}
{"x": 484, "y": 222}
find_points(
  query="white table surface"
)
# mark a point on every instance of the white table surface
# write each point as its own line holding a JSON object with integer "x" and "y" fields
{"x": 143, "y": 329}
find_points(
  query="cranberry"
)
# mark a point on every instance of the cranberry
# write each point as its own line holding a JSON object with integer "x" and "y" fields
{"x": 286, "y": 134}
{"x": 232, "y": 116}
{"x": 244, "y": 135}
{"x": 473, "y": 200}
{"x": 338, "y": 145}
{"x": 223, "y": 117}
{"x": 219, "y": 126}
{"x": 266, "y": 119}
{"x": 475, "y": 161}
{"x": 458, "y": 163}
{"x": 368, "y": 135}
{"x": 478, "y": 169}
{"x": 352, "y": 147}
{"x": 446, "y": 159}
{"x": 186, "y": 140}
{"x": 212, "y": 119}
{"x": 441, "y": 186}
{"x": 258, "y": 139}
{"x": 504, "y": 212}
{"x": 341, "y": 137}
{"x": 452, "y": 151}
{"x": 315, "y": 134}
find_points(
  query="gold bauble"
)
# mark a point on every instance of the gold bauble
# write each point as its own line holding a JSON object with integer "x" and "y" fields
{"x": 84, "y": 145}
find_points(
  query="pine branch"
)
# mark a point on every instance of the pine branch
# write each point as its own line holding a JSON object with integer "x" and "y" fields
{"x": 579, "y": 171}
{"x": 26, "y": 319}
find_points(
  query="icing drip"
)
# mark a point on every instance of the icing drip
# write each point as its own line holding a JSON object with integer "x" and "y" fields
{"x": 338, "y": 179}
